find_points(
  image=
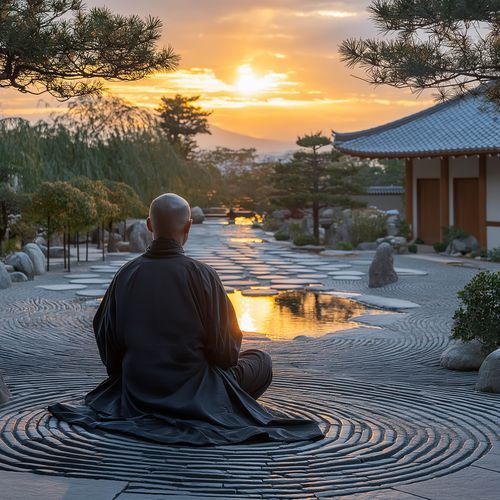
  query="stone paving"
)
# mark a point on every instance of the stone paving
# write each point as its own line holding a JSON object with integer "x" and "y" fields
{"x": 397, "y": 425}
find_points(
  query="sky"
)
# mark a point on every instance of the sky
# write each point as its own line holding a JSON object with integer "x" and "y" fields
{"x": 267, "y": 69}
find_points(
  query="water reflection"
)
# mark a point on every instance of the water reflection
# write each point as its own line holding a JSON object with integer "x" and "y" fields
{"x": 288, "y": 314}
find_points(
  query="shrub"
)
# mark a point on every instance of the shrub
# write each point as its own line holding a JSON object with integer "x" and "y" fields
{"x": 367, "y": 226}
{"x": 282, "y": 235}
{"x": 478, "y": 316}
{"x": 494, "y": 255}
{"x": 304, "y": 239}
{"x": 440, "y": 246}
{"x": 404, "y": 230}
{"x": 413, "y": 248}
{"x": 343, "y": 245}
{"x": 452, "y": 233}
{"x": 272, "y": 224}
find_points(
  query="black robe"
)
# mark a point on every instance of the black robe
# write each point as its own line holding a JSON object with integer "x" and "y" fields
{"x": 167, "y": 333}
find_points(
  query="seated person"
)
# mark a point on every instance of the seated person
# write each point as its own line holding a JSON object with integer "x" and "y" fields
{"x": 169, "y": 339}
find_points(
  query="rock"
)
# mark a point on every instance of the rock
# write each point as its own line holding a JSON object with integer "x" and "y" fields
{"x": 56, "y": 252}
{"x": 114, "y": 239}
{"x": 393, "y": 224}
{"x": 5, "y": 279}
{"x": 139, "y": 237}
{"x": 123, "y": 246}
{"x": 382, "y": 271}
{"x": 18, "y": 277}
{"x": 40, "y": 241}
{"x": 197, "y": 215}
{"x": 368, "y": 245}
{"x": 10, "y": 269}
{"x": 21, "y": 262}
{"x": 464, "y": 245}
{"x": 281, "y": 214}
{"x": 463, "y": 356}
{"x": 43, "y": 249}
{"x": 398, "y": 243}
{"x": 37, "y": 258}
{"x": 4, "y": 392}
{"x": 489, "y": 374}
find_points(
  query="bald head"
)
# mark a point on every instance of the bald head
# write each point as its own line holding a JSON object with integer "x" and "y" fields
{"x": 170, "y": 217}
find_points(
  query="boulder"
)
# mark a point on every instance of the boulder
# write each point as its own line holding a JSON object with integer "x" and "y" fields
{"x": 489, "y": 374}
{"x": 464, "y": 245}
{"x": 114, "y": 239}
{"x": 398, "y": 243}
{"x": 382, "y": 271}
{"x": 139, "y": 237}
{"x": 35, "y": 253}
{"x": 5, "y": 279}
{"x": 367, "y": 245}
{"x": 10, "y": 269}
{"x": 40, "y": 241}
{"x": 197, "y": 215}
{"x": 18, "y": 277}
{"x": 463, "y": 356}
{"x": 393, "y": 223}
{"x": 281, "y": 214}
{"x": 21, "y": 262}
{"x": 56, "y": 252}
{"x": 4, "y": 392}
{"x": 123, "y": 246}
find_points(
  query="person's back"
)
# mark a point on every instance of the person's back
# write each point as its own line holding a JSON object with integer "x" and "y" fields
{"x": 169, "y": 338}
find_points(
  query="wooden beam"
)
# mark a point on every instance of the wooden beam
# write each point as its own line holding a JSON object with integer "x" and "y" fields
{"x": 492, "y": 223}
{"x": 482, "y": 202}
{"x": 444, "y": 195}
{"x": 409, "y": 194}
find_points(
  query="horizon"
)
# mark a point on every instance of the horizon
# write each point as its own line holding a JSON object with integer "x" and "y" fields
{"x": 274, "y": 70}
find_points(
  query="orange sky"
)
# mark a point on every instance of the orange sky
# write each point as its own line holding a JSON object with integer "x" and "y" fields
{"x": 266, "y": 68}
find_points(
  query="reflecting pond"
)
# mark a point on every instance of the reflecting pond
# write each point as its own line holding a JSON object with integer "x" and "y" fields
{"x": 289, "y": 314}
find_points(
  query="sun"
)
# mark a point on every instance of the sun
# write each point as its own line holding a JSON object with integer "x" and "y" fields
{"x": 248, "y": 83}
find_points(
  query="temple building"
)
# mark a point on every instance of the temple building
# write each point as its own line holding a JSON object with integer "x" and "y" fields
{"x": 452, "y": 154}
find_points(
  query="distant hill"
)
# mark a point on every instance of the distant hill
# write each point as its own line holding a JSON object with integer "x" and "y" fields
{"x": 233, "y": 140}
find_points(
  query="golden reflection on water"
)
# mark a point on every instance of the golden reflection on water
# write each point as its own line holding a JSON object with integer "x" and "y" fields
{"x": 289, "y": 314}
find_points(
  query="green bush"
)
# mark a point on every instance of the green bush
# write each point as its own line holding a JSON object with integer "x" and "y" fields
{"x": 282, "y": 235}
{"x": 404, "y": 230}
{"x": 494, "y": 255}
{"x": 304, "y": 239}
{"x": 413, "y": 248}
{"x": 272, "y": 224}
{"x": 367, "y": 226}
{"x": 452, "y": 233}
{"x": 478, "y": 316}
{"x": 343, "y": 245}
{"x": 440, "y": 246}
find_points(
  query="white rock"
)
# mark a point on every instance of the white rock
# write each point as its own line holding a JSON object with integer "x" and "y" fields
{"x": 463, "y": 356}
{"x": 489, "y": 374}
{"x": 5, "y": 280}
{"x": 37, "y": 258}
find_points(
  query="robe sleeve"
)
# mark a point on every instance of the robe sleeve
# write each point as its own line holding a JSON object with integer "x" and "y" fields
{"x": 224, "y": 334}
{"x": 110, "y": 345}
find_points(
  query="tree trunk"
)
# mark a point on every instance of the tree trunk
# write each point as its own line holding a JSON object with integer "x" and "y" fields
{"x": 103, "y": 243}
{"x": 125, "y": 230}
{"x": 64, "y": 248}
{"x": 69, "y": 250}
{"x": 316, "y": 220}
{"x": 78, "y": 247}
{"x": 87, "y": 247}
{"x": 48, "y": 243}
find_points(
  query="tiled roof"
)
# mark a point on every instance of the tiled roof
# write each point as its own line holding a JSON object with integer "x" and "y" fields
{"x": 385, "y": 190}
{"x": 464, "y": 125}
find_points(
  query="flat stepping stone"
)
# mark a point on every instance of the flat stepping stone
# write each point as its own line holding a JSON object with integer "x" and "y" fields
{"x": 229, "y": 289}
{"x": 360, "y": 262}
{"x": 91, "y": 293}
{"x": 348, "y": 277}
{"x": 238, "y": 283}
{"x": 62, "y": 288}
{"x": 385, "y": 302}
{"x": 313, "y": 276}
{"x": 90, "y": 281}
{"x": 346, "y": 272}
{"x": 384, "y": 319}
{"x": 258, "y": 292}
{"x": 291, "y": 281}
{"x": 274, "y": 277}
{"x": 342, "y": 266}
{"x": 118, "y": 262}
{"x": 404, "y": 271}
{"x": 111, "y": 270}
{"x": 337, "y": 253}
{"x": 80, "y": 276}
{"x": 286, "y": 287}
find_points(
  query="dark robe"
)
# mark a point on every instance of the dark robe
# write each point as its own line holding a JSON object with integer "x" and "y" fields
{"x": 167, "y": 333}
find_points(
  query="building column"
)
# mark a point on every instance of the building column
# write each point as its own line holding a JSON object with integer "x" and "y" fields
{"x": 444, "y": 195}
{"x": 409, "y": 194}
{"x": 482, "y": 202}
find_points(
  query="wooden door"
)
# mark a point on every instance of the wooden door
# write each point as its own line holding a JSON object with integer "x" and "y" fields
{"x": 428, "y": 211}
{"x": 466, "y": 205}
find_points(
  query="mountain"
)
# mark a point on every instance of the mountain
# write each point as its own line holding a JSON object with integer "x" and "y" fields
{"x": 233, "y": 140}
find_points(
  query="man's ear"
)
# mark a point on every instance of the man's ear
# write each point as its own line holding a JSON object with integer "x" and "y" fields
{"x": 149, "y": 225}
{"x": 187, "y": 228}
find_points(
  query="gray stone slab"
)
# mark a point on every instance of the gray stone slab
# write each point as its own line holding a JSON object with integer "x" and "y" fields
{"x": 90, "y": 281}
{"x": 80, "y": 276}
{"x": 259, "y": 292}
{"x": 317, "y": 276}
{"x": 378, "y": 319}
{"x": 286, "y": 287}
{"x": 471, "y": 483}
{"x": 239, "y": 283}
{"x": 91, "y": 293}
{"x": 386, "y": 302}
{"x": 291, "y": 281}
{"x": 405, "y": 271}
{"x": 346, "y": 277}
{"x": 28, "y": 486}
{"x": 62, "y": 287}
{"x": 347, "y": 272}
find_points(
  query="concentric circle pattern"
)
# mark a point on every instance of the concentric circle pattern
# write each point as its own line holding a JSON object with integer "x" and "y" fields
{"x": 390, "y": 414}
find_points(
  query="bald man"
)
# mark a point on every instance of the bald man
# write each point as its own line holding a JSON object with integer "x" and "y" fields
{"x": 169, "y": 339}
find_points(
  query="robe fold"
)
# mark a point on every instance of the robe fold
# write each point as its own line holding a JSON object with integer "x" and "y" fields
{"x": 167, "y": 333}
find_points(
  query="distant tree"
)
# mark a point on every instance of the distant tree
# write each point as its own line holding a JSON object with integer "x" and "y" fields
{"x": 446, "y": 45}
{"x": 384, "y": 173}
{"x": 126, "y": 200}
{"x": 181, "y": 120}
{"x": 315, "y": 178}
{"x": 62, "y": 48}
